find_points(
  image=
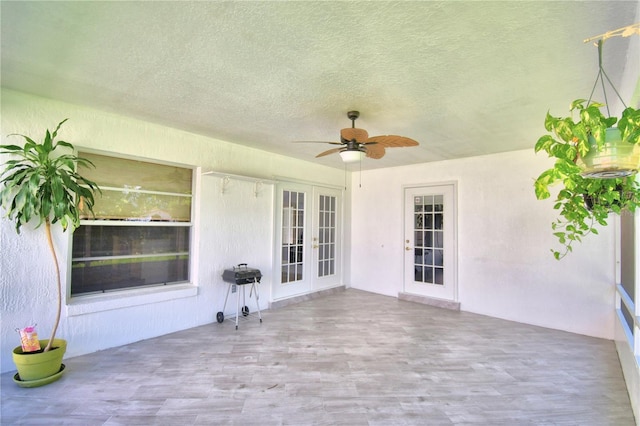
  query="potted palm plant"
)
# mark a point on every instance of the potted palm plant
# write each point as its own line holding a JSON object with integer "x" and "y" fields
{"x": 40, "y": 183}
{"x": 595, "y": 163}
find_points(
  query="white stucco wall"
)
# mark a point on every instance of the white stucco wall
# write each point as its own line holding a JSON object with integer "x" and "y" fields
{"x": 505, "y": 268}
{"x": 234, "y": 226}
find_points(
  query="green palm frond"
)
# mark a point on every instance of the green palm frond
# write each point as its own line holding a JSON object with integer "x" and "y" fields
{"x": 39, "y": 182}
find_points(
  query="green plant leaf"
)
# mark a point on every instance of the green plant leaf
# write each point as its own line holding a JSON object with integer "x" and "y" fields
{"x": 47, "y": 145}
{"x": 577, "y": 104}
{"x": 542, "y": 190}
{"x": 564, "y": 167}
{"x": 564, "y": 129}
{"x": 55, "y": 132}
{"x": 549, "y": 122}
{"x": 10, "y": 149}
{"x": 545, "y": 143}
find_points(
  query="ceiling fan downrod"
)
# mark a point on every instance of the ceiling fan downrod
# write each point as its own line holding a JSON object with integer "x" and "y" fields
{"x": 353, "y": 115}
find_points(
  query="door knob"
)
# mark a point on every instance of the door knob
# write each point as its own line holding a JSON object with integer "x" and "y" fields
{"x": 407, "y": 248}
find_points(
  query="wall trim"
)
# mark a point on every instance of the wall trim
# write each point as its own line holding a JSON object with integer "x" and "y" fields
{"x": 431, "y": 301}
{"x": 127, "y": 298}
{"x": 304, "y": 297}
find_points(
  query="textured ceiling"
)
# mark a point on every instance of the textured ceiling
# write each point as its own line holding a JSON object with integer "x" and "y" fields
{"x": 463, "y": 78}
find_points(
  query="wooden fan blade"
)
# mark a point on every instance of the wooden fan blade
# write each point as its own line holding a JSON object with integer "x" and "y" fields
{"x": 393, "y": 141}
{"x": 360, "y": 135}
{"x": 375, "y": 151}
{"x": 331, "y": 151}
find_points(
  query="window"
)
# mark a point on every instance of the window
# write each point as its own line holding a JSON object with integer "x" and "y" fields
{"x": 141, "y": 232}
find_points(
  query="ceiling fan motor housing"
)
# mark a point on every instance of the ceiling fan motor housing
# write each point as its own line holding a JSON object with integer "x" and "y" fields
{"x": 354, "y": 134}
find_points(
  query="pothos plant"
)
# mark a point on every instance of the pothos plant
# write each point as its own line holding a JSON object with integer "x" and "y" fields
{"x": 41, "y": 183}
{"x": 584, "y": 202}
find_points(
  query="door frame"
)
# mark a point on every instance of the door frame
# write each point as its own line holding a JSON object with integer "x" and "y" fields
{"x": 454, "y": 261}
{"x": 309, "y": 284}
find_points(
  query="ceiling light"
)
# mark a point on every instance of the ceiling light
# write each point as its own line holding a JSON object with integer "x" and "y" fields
{"x": 351, "y": 156}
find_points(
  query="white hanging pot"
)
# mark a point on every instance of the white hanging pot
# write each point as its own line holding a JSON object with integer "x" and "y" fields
{"x": 615, "y": 159}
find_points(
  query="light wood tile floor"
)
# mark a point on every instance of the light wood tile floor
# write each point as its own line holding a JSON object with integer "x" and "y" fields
{"x": 351, "y": 358}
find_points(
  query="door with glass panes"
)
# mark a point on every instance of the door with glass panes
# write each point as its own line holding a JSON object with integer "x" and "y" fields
{"x": 308, "y": 227}
{"x": 430, "y": 241}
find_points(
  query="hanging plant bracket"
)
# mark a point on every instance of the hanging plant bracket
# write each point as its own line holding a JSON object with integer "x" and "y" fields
{"x": 627, "y": 31}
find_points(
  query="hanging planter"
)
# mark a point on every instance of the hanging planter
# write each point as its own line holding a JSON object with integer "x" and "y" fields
{"x": 616, "y": 158}
{"x": 597, "y": 158}
{"x": 608, "y": 197}
{"x": 609, "y": 186}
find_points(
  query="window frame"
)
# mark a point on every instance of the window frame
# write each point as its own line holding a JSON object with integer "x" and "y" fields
{"x": 94, "y": 302}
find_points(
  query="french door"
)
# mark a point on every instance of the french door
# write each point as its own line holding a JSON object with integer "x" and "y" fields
{"x": 430, "y": 241}
{"x": 309, "y": 239}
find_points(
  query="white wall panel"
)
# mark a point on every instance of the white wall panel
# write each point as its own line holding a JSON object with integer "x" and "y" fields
{"x": 235, "y": 226}
{"x": 505, "y": 267}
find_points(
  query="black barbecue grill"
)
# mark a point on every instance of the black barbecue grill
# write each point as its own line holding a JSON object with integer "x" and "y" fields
{"x": 241, "y": 276}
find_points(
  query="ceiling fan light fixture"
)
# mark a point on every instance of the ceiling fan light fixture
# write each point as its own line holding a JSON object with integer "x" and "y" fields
{"x": 355, "y": 143}
{"x": 351, "y": 156}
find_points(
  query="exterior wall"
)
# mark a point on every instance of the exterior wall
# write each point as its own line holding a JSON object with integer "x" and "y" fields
{"x": 505, "y": 267}
{"x": 234, "y": 226}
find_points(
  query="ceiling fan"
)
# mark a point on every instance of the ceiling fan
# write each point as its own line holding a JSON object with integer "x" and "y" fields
{"x": 354, "y": 142}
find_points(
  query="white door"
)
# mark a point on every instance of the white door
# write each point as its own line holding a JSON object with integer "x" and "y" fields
{"x": 308, "y": 243}
{"x": 430, "y": 241}
{"x": 326, "y": 238}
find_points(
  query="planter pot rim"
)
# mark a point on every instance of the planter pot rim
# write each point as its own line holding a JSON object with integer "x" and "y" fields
{"x": 616, "y": 158}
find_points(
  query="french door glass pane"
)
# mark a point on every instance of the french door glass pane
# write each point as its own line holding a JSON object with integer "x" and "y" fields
{"x": 292, "y": 236}
{"x": 326, "y": 235}
{"x": 428, "y": 239}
